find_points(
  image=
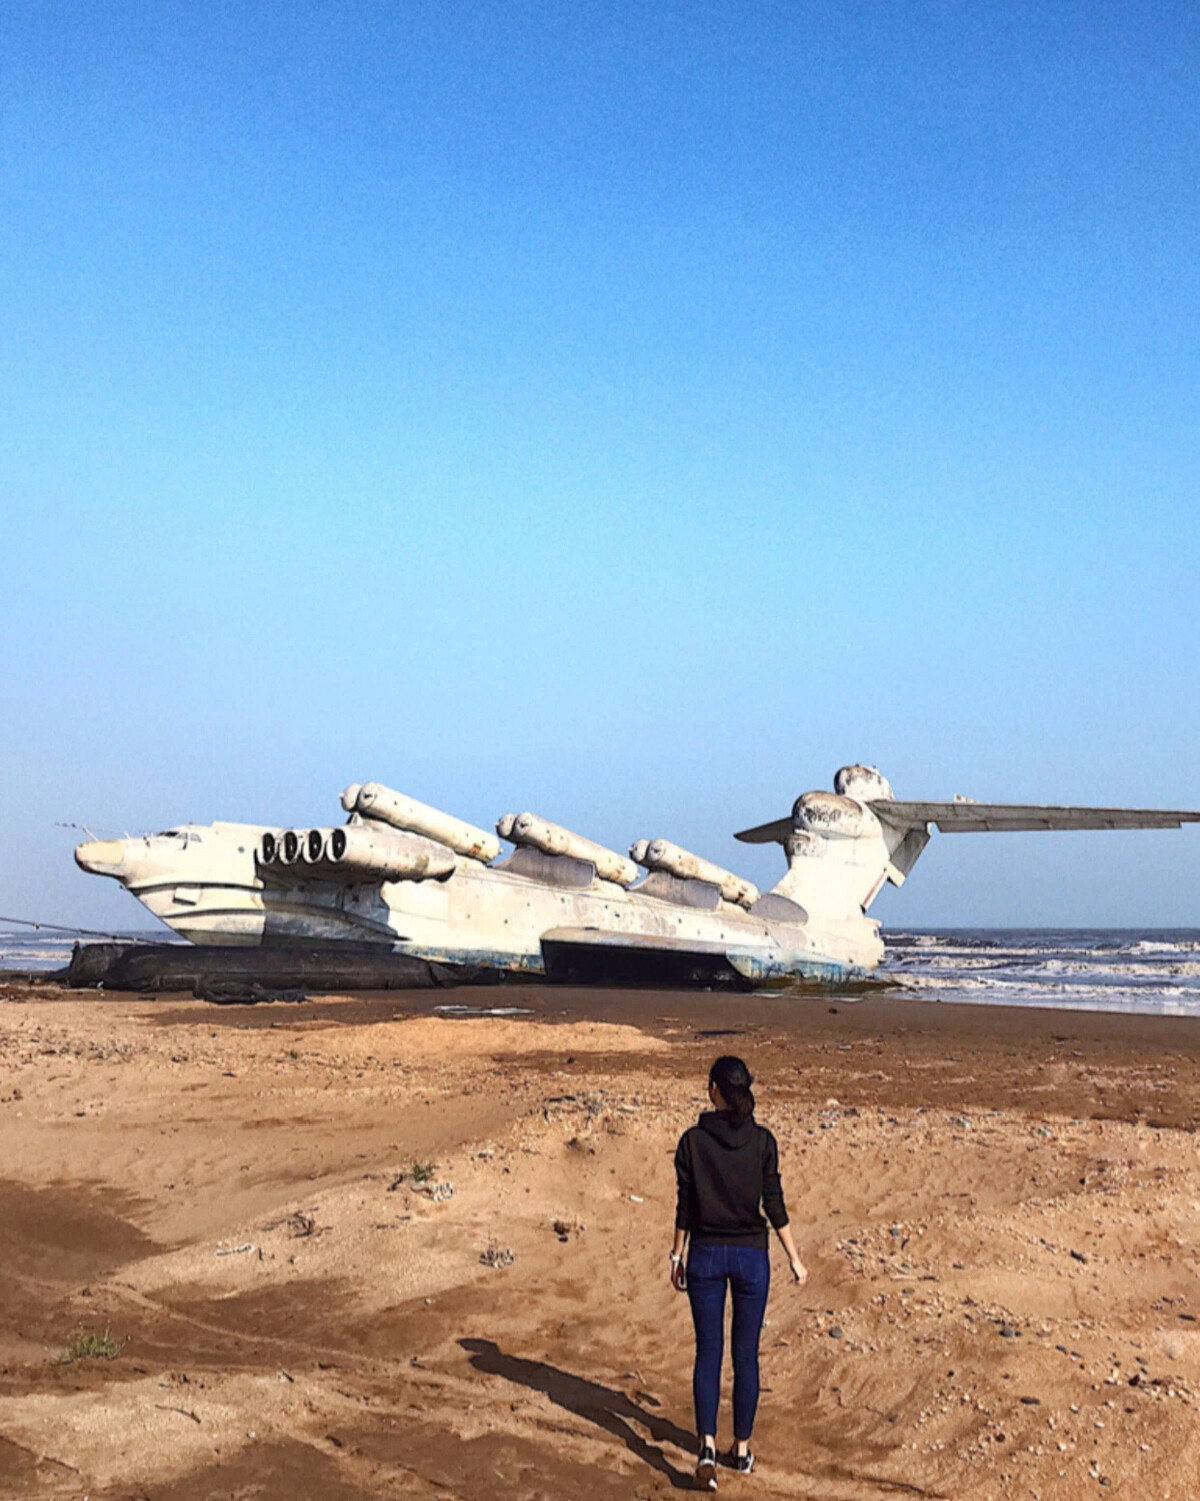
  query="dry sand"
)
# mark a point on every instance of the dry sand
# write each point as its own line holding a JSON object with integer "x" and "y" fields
{"x": 999, "y": 1210}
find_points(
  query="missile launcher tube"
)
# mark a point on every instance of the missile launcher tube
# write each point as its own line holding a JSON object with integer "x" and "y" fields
{"x": 552, "y": 839}
{"x": 661, "y": 854}
{"x": 382, "y": 804}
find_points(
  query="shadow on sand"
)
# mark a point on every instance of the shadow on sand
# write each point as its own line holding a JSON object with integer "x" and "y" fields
{"x": 608, "y": 1409}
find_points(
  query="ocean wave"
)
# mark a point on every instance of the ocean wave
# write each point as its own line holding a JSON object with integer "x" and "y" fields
{"x": 1149, "y": 1000}
{"x": 1037, "y": 967}
{"x": 954, "y": 959}
{"x": 898, "y": 938}
{"x": 1134, "y": 973}
{"x": 1161, "y": 946}
{"x": 947, "y": 982}
{"x": 1147, "y": 972}
{"x": 1048, "y": 987}
{"x": 28, "y": 954}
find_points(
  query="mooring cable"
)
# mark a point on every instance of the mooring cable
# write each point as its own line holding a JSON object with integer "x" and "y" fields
{"x": 52, "y": 927}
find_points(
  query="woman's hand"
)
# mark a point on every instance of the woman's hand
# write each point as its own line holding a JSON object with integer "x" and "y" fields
{"x": 799, "y": 1270}
{"x": 678, "y": 1275}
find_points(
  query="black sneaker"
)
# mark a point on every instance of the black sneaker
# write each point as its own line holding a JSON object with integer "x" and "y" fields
{"x": 743, "y": 1463}
{"x": 706, "y": 1469}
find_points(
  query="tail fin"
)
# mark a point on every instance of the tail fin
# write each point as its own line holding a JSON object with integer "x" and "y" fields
{"x": 842, "y": 846}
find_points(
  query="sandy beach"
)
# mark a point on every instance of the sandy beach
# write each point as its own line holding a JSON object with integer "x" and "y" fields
{"x": 350, "y": 1248}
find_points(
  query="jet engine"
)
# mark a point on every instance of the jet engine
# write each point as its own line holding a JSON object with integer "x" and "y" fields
{"x": 863, "y": 783}
{"x": 291, "y": 842}
{"x": 356, "y": 851}
{"x": 661, "y": 854}
{"x": 833, "y": 816}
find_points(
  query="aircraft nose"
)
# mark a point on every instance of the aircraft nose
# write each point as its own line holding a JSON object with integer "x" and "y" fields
{"x": 101, "y": 857}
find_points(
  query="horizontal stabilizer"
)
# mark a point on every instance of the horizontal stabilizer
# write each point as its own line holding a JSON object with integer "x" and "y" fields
{"x": 962, "y": 817}
{"x": 768, "y": 833}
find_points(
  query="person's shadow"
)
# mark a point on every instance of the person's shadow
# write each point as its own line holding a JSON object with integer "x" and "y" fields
{"x": 611, "y": 1410}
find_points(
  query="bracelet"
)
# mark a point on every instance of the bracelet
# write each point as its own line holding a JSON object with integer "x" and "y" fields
{"x": 675, "y": 1258}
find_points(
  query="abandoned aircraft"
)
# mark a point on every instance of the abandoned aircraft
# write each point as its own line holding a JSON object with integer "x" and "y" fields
{"x": 403, "y": 874}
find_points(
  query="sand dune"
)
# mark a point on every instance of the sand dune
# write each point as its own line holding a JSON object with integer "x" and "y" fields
{"x": 1000, "y": 1213}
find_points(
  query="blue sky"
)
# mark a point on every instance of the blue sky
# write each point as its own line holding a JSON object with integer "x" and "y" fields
{"x": 628, "y": 412}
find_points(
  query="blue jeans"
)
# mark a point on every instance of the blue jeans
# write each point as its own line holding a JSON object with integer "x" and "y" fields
{"x": 747, "y": 1269}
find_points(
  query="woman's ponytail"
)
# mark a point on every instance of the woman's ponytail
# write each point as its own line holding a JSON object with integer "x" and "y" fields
{"x": 732, "y": 1078}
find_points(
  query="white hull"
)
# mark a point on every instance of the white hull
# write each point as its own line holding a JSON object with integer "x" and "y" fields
{"x": 402, "y": 874}
{"x": 484, "y": 916}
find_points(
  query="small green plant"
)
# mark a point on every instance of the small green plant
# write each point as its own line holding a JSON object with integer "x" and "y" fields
{"x": 422, "y": 1172}
{"x": 88, "y": 1345}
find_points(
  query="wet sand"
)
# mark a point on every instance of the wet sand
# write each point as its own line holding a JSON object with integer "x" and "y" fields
{"x": 1000, "y": 1210}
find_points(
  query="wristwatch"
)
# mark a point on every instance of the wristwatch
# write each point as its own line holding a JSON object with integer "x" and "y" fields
{"x": 675, "y": 1258}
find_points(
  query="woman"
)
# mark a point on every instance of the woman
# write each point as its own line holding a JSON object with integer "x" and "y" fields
{"x": 726, "y": 1166}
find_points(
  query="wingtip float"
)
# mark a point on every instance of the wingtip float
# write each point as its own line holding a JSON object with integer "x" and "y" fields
{"x": 432, "y": 887}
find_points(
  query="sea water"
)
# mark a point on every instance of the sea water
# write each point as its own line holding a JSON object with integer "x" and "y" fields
{"x": 35, "y": 951}
{"x": 1081, "y": 969}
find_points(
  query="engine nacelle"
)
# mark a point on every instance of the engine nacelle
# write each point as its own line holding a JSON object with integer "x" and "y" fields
{"x": 356, "y": 852}
{"x": 403, "y": 856}
{"x": 290, "y": 846}
{"x": 375, "y": 801}
{"x": 832, "y": 816}
{"x": 552, "y": 839}
{"x": 661, "y": 854}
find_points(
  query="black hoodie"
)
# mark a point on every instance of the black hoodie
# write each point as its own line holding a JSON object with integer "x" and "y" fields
{"x": 724, "y": 1172}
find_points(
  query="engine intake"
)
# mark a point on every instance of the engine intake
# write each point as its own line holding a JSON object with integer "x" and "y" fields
{"x": 357, "y": 851}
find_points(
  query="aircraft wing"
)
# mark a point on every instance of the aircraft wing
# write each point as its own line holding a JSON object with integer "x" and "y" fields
{"x": 992, "y": 818}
